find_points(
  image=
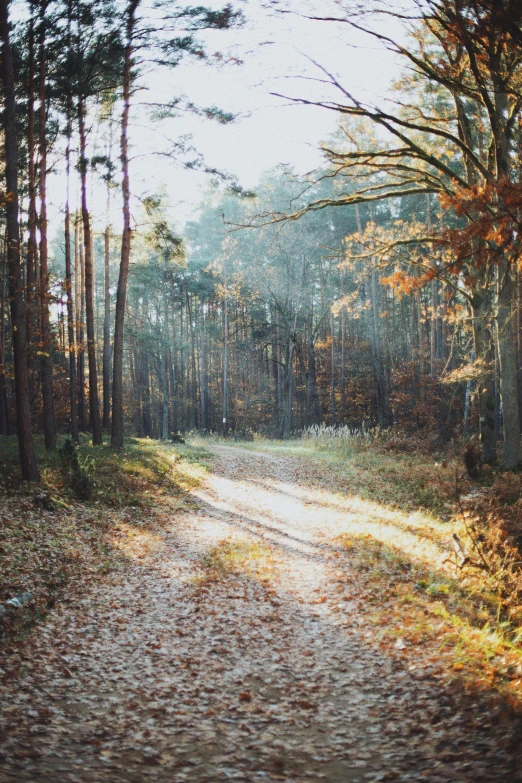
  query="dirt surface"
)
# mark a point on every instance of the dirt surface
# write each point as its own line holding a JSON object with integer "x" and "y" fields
{"x": 179, "y": 669}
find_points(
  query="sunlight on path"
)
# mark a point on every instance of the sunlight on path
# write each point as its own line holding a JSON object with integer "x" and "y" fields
{"x": 196, "y": 665}
{"x": 269, "y": 491}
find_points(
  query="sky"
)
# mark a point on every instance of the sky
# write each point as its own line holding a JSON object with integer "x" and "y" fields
{"x": 279, "y": 53}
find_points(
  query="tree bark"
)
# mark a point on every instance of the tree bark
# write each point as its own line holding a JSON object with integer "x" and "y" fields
{"x": 28, "y": 463}
{"x": 94, "y": 405}
{"x": 332, "y": 370}
{"x": 162, "y": 372}
{"x": 508, "y": 366}
{"x": 288, "y": 390}
{"x": 204, "y": 372}
{"x": 343, "y": 366}
{"x": 484, "y": 353}
{"x": 73, "y": 381}
{"x": 32, "y": 217}
{"x": 372, "y": 289}
{"x": 49, "y": 421}
{"x": 121, "y": 295}
{"x": 73, "y": 394}
{"x": 107, "y": 329}
{"x": 4, "y": 406}
{"x": 144, "y": 384}
{"x": 82, "y": 404}
{"x": 225, "y": 360}
{"x": 313, "y": 408}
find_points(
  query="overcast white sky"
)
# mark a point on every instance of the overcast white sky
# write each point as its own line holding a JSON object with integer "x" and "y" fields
{"x": 275, "y": 49}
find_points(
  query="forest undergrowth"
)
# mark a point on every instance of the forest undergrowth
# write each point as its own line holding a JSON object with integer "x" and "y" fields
{"x": 57, "y": 537}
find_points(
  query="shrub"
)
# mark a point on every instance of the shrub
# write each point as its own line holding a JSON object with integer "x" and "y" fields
{"x": 77, "y": 474}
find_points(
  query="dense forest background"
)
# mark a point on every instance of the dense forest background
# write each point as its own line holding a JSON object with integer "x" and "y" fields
{"x": 382, "y": 290}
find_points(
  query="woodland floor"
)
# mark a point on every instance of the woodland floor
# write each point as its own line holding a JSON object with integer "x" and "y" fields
{"x": 241, "y": 647}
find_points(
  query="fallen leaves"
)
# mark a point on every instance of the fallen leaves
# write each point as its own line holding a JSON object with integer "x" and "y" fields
{"x": 188, "y": 667}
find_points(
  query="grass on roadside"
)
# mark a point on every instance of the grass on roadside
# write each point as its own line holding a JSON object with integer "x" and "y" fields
{"x": 120, "y": 479}
{"x": 237, "y": 556}
{"x": 429, "y": 616}
{"x": 43, "y": 550}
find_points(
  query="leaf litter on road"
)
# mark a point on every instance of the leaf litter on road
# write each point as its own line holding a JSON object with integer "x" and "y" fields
{"x": 225, "y": 653}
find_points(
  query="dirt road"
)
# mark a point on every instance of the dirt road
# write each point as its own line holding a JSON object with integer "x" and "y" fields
{"x": 230, "y": 654}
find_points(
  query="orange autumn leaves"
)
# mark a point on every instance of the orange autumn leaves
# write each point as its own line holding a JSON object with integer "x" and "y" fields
{"x": 480, "y": 226}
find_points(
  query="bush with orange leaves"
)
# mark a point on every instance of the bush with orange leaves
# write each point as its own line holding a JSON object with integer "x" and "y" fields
{"x": 492, "y": 520}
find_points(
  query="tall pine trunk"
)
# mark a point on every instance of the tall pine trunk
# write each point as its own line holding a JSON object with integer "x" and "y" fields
{"x": 82, "y": 403}
{"x": 49, "y": 421}
{"x": 94, "y": 405}
{"x": 508, "y": 367}
{"x": 73, "y": 382}
{"x": 4, "y": 406}
{"x": 225, "y": 361}
{"x": 144, "y": 385}
{"x": 204, "y": 372}
{"x": 485, "y": 355}
{"x": 107, "y": 327}
{"x": 332, "y": 370}
{"x": 33, "y": 217}
{"x": 121, "y": 295}
{"x": 18, "y": 314}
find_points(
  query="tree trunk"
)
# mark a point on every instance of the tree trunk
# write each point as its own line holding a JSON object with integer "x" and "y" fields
{"x": 288, "y": 390}
{"x": 135, "y": 380}
{"x": 106, "y": 329}
{"x": 73, "y": 397}
{"x": 18, "y": 315}
{"x": 484, "y": 353}
{"x": 33, "y": 217}
{"x": 121, "y": 295}
{"x": 332, "y": 370}
{"x": 162, "y": 372}
{"x": 193, "y": 388}
{"x": 94, "y": 405}
{"x": 204, "y": 373}
{"x": 313, "y": 408}
{"x": 225, "y": 362}
{"x": 73, "y": 383}
{"x": 508, "y": 367}
{"x": 81, "y": 336}
{"x": 372, "y": 289}
{"x": 433, "y": 326}
{"x": 144, "y": 384}
{"x": 49, "y": 421}
{"x": 343, "y": 366}
{"x": 4, "y": 407}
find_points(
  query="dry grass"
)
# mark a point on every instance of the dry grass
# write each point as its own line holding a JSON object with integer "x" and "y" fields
{"x": 47, "y": 552}
{"x": 238, "y": 556}
{"x": 429, "y": 616}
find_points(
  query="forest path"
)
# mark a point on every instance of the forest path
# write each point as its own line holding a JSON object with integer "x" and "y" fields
{"x": 229, "y": 654}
